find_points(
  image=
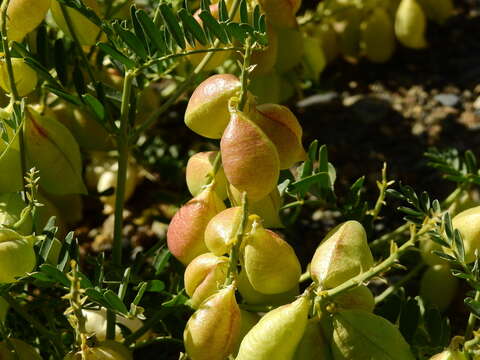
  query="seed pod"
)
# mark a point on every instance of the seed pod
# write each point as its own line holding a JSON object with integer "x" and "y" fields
{"x": 427, "y": 246}
{"x": 281, "y": 13}
{"x": 199, "y": 166}
{"x": 467, "y": 222}
{"x": 410, "y": 24}
{"x": 267, "y": 88}
{"x": 290, "y": 49}
{"x": 378, "y": 36}
{"x": 267, "y": 208}
{"x": 264, "y": 60}
{"x": 11, "y": 206}
{"x": 314, "y": 59}
{"x": 86, "y": 31}
{"x": 277, "y": 334}
{"x": 449, "y": 355}
{"x": 23, "y": 351}
{"x": 204, "y": 276}
{"x": 253, "y": 297}
{"x": 343, "y": 254}
{"x": 207, "y": 111}
{"x": 247, "y": 321}
{"x": 185, "y": 236}
{"x": 283, "y": 129}
{"x": 247, "y": 155}
{"x": 269, "y": 261}
{"x": 438, "y": 286}
{"x": 313, "y": 345}
{"x": 329, "y": 41}
{"x": 358, "y": 298}
{"x": 437, "y": 10}
{"x": 16, "y": 254}
{"x": 361, "y": 335}
{"x": 25, "y": 77}
{"x": 52, "y": 149}
{"x": 23, "y": 16}
{"x": 10, "y": 162}
{"x": 221, "y": 230}
{"x": 212, "y": 331}
{"x": 107, "y": 350}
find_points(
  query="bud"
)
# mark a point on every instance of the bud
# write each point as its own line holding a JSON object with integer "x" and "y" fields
{"x": 86, "y": 31}
{"x": 204, "y": 276}
{"x": 281, "y": 12}
{"x": 207, "y": 112}
{"x": 358, "y": 298}
{"x": 290, "y": 49}
{"x": 438, "y": 286}
{"x": 11, "y": 206}
{"x": 267, "y": 208}
{"x": 277, "y": 334}
{"x": 107, "y": 350}
{"x": 253, "y": 297}
{"x": 437, "y": 10}
{"x": 468, "y": 223}
{"x": 222, "y": 229}
{"x": 23, "y": 16}
{"x": 52, "y": 149}
{"x": 199, "y": 167}
{"x": 361, "y": 335}
{"x": 23, "y": 351}
{"x": 212, "y": 331}
{"x": 343, "y": 254}
{"x": 25, "y": 77}
{"x": 269, "y": 261}
{"x": 17, "y": 254}
{"x": 185, "y": 236}
{"x": 410, "y": 24}
{"x": 283, "y": 129}
{"x": 378, "y": 36}
{"x": 313, "y": 345}
{"x": 248, "y": 155}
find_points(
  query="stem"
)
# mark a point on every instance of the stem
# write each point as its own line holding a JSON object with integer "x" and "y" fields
{"x": 304, "y": 277}
{"x": 217, "y": 163}
{"x": 235, "y": 251}
{"x": 472, "y": 319}
{"x": 382, "y": 187}
{"x": 392, "y": 288}
{"x": 111, "y": 320}
{"x": 123, "y": 144}
{"x": 245, "y": 73}
{"x": 301, "y": 203}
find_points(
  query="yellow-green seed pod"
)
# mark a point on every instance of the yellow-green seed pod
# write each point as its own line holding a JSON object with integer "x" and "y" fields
{"x": 23, "y": 351}
{"x": 361, "y": 335}
{"x": 281, "y": 12}
{"x": 449, "y": 355}
{"x": 222, "y": 229}
{"x": 437, "y": 10}
{"x": 427, "y": 246}
{"x": 410, "y": 24}
{"x": 10, "y": 160}
{"x": 438, "y": 286}
{"x": 23, "y": 16}
{"x": 313, "y": 345}
{"x": 199, "y": 167}
{"x": 247, "y": 322}
{"x": 378, "y": 36}
{"x": 468, "y": 223}
{"x": 107, "y": 350}
{"x": 342, "y": 255}
{"x": 25, "y": 77}
{"x": 16, "y": 254}
{"x": 314, "y": 58}
{"x": 277, "y": 334}
{"x": 11, "y": 207}
{"x": 358, "y": 298}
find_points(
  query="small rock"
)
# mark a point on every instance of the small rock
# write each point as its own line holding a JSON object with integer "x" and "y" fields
{"x": 447, "y": 99}
{"x": 318, "y": 99}
{"x": 476, "y": 104}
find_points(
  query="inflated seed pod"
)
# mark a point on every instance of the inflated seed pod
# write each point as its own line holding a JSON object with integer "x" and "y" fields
{"x": 290, "y": 49}
{"x": 427, "y": 246}
{"x": 410, "y": 24}
{"x": 221, "y": 230}
{"x": 212, "y": 331}
{"x": 207, "y": 111}
{"x": 86, "y": 31}
{"x": 23, "y": 16}
{"x": 343, "y": 254}
{"x": 269, "y": 261}
{"x": 23, "y": 351}
{"x": 248, "y": 155}
{"x": 314, "y": 59}
{"x": 277, "y": 334}
{"x": 281, "y": 13}
{"x": 264, "y": 60}
{"x": 199, "y": 166}
{"x": 107, "y": 350}
{"x": 267, "y": 88}
{"x": 10, "y": 161}
{"x": 329, "y": 41}
{"x": 358, "y": 298}
{"x": 361, "y": 335}
{"x": 378, "y": 36}
{"x": 449, "y": 355}
{"x": 25, "y": 77}
{"x": 247, "y": 321}
{"x": 185, "y": 235}
{"x": 284, "y": 130}
{"x": 253, "y": 297}
{"x": 204, "y": 276}
{"x": 267, "y": 208}
{"x": 468, "y": 223}
{"x": 313, "y": 345}
{"x": 11, "y": 206}
{"x": 437, "y": 10}
{"x": 438, "y": 286}
{"x": 17, "y": 256}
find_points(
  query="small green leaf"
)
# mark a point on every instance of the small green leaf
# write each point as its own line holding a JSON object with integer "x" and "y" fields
{"x": 152, "y": 31}
{"x": 133, "y": 42}
{"x": 192, "y": 26}
{"x": 172, "y": 24}
{"x": 115, "y": 302}
{"x": 155, "y": 286}
{"x": 96, "y": 106}
{"x": 213, "y": 26}
{"x": 55, "y": 274}
{"x": 115, "y": 54}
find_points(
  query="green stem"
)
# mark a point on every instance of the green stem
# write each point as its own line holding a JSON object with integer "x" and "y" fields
{"x": 472, "y": 319}
{"x": 123, "y": 150}
{"x": 382, "y": 187}
{"x": 304, "y": 277}
{"x": 111, "y": 320}
{"x": 301, "y": 203}
{"x": 392, "y": 288}
{"x": 244, "y": 74}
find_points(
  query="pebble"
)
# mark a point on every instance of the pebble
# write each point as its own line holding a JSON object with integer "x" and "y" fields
{"x": 447, "y": 99}
{"x": 476, "y": 104}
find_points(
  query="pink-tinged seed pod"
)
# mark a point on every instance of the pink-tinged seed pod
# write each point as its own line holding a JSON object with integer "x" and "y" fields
{"x": 269, "y": 261}
{"x": 360, "y": 298}
{"x": 281, "y": 12}
{"x": 277, "y": 334}
{"x": 222, "y": 229}
{"x": 199, "y": 166}
{"x": 22, "y": 350}
{"x": 343, "y": 254}
{"x": 212, "y": 331}
{"x": 253, "y": 297}
{"x": 249, "y": 155}
{"x": 267, "y": 208}
{"x": 23, "y": 16}
{"x": 207, "y": 112}
{"x": 204, "y": 276}
{"x": 283, "y": 128}
{"x": 185, "y": 235}
{"x": 313, "y": 345}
